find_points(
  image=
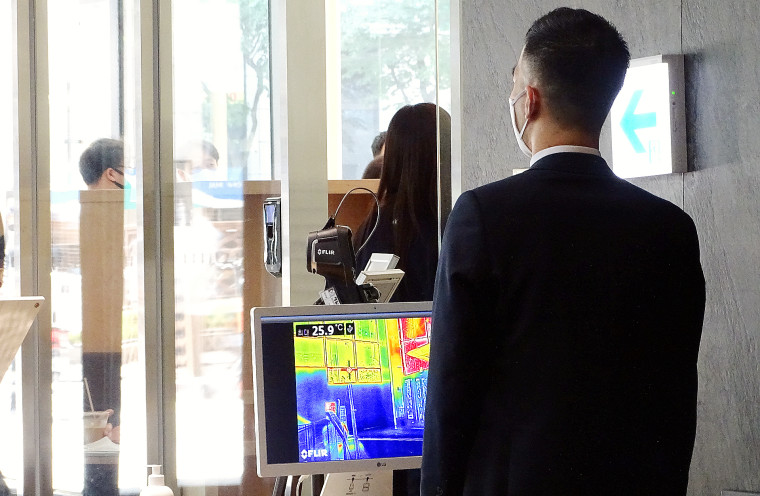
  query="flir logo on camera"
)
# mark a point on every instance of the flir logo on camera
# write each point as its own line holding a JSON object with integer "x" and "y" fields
{"x": 313, "y": 453}
{"x": 320, "y": 251}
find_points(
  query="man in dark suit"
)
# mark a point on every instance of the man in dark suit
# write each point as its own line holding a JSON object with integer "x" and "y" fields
{"x": 568, "y": 303}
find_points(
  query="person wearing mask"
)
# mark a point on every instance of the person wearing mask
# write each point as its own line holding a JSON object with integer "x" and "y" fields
{"x": 568, "y": 303}
{"x": 201, "y": 163}
{"x": 102, "y": 168}
{"x": 102, "y": 164}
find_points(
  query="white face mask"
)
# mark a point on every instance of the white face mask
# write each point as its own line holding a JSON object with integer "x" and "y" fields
{"x": 204, "y": 175}
{"x": 519, "y": 134}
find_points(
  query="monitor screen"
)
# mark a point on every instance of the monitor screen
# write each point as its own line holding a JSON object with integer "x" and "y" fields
{"x": 340, "y": 388}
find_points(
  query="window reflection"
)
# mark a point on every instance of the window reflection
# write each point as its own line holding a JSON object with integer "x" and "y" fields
{"x": 11, "y": 454}
{"x": 221, "y": 139}
{"x": 387, "y": 61}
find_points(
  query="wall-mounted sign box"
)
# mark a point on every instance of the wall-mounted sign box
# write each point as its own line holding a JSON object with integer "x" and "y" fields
{"x": 648, "y": 119}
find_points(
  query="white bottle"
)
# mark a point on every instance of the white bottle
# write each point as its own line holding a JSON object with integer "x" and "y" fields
{"x": 156, "y": 485}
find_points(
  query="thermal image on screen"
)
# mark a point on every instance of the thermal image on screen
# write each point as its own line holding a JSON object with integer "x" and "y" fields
{"x": 361, "y": 387}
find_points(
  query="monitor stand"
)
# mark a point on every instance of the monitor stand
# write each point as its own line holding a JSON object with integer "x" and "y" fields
{"x": 359, "y": 484}
{"x": 284, "y": 486}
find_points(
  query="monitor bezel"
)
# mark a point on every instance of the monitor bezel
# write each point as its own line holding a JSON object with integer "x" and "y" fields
{"x": 266, "y": 469}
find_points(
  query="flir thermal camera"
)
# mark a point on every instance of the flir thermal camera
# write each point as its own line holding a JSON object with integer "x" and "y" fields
{"x": 330, "y": 253}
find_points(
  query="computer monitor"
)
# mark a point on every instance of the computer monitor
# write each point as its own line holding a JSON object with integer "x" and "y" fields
{"x": 340, "y": 388}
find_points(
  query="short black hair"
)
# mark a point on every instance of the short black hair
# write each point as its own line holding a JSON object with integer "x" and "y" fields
{"x": 580, "y": 60}
{"x": 378, "y": 142}
{"x": 98, "y": 157}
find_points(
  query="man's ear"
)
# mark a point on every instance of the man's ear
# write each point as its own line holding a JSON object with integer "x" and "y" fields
{"x": 532, "y": 102}
{"x": 112, "y": 175}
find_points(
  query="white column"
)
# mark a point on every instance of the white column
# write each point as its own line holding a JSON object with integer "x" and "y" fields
{"x": 299, "y": 118}
{"x": 333, "y": 97}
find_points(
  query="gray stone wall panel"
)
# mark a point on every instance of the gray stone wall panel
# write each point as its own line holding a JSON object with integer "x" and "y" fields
{"x": 721, "y": 43}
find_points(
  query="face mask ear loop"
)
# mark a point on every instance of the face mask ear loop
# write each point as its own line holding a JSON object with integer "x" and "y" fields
{"x": 513, "y": 110}
{"x": 519, "y": 134}
{"x": 523, "y": 128}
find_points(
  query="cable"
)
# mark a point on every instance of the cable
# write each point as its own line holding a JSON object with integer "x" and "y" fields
{"x": 279, "y": 485}
{"x": 299, "y": 485}
{"x": 377, "y": 219}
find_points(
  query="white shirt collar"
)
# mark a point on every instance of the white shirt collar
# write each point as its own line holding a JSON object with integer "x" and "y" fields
{"x": 563, "y": 149}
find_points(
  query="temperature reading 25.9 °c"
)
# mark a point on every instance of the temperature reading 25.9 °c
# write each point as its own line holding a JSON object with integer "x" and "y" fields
{"x": 325, "y": 329}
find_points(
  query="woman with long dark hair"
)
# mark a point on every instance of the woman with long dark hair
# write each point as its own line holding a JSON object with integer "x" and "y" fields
{"x": 408, "y": 225}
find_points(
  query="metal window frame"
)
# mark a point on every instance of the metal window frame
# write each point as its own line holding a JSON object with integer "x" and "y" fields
{"x": 35, "y": 238}
{"x": 158, "y": 221}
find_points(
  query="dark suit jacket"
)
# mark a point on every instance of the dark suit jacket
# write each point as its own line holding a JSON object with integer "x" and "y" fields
{"x": 566, "y": 324}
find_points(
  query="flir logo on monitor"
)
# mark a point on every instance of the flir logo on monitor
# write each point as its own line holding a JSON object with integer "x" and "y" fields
{"x": 325, "y": 252}
{"x": 313, "y": 453}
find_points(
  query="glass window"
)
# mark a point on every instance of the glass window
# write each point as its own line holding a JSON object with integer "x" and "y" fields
{"x": 222, "y": 171}
{"x": 96, "y": 298}
{"x": 222, "y": 141}
{"x": 11, "y": 455}
{"x": 388, "y": 60}
{"x": 221, "y": 89}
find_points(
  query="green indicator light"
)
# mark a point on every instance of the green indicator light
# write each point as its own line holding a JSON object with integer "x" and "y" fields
{"x": 672, "y": 92}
